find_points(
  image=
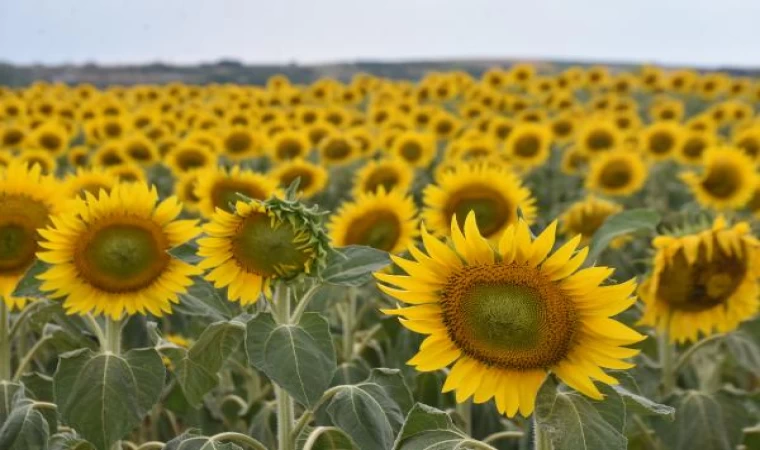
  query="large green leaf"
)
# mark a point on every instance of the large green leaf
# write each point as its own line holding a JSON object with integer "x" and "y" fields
{"x": 353, "y": 265}
{"x": 193, "y": 440}
{"x": 103, "y": 395}
{"x": 325, "y": 438}
{"x": 635, "y": 402}
{"x": 21, "y": 426}
{"x": 362, "y": 415}
{"x": 394, "y": 385}
{"x": 202, "y": 299}
{"x": 300, "y": 357}
{"x": 620, "y": 224}
{"x": 69, "y": 441}
{"x": 197, "y": 371}
{"x": 574, "y": 422}
{"x": 426, "y": 428}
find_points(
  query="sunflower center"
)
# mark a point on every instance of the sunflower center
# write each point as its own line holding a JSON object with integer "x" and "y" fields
{"x": 92, "y": 188}
{"x": 388, "y": 179}
{"x": 139, "y": 152}
{"x": 661, "y": 143}
{"x": 527, "y": 146}
{"x": 191, "y": 159}
{"x": 704, "y": 284}
{"x": 12, "y": 137}
{"x": 562, "y": 128}
{"x": 50, "y": 142}
{"x": 306, "y": 179}
{"x": 693, "y": 148}
{"x": 599, "y": 140}
{"x": 111, "y": 158}
{"x": 289, "y": 149}
{"x": 616, "y": 174}
{"x": 124, "y": 255}
{"x": 337, "y": 149}
{"x": 721, "y": 181}
{"x": 750, "y": 146}
{"x": 238, "y": 143}
{"x": 377, "y": 229}
{"x": 492, "y": 211}
{"x": 411, "y": 151}
{"x": 508, "y": 316}
{"x": 268, "y": 250}
{"x": 224, "y": 194}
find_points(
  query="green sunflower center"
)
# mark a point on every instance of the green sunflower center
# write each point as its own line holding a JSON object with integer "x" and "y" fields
{"x": 527, "y": 146}
{"x": 508, "y": 316}
{"x": 492, "y": 209}
{"x": 225, "y": 193}
{"x": 378, "y": 229}
{"x": 722, "y": 181}
{"x": 21, "y": 218}
{"x": 269, "y": 251}
{"x": 123, "y": 255}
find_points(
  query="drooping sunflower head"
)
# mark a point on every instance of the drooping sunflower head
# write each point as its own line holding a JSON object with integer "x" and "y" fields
{"x": 220, "y": 188}
{"x": 312, "y": 177}
{"x": 585, "y": 217}
{"x": 660, "y": 140}
{"x": 529, "y": 144}
{"x": 109, "y": 255}
{"x": 188, "y": 156}
{"x": 390, "y": 174}
{"x": 260, "y": 242}
{"x": 618, "y": 173}
{"x": 493, "y": 193}
{"x": 505, "y": 314}
{"x": 27, "y": 200}
{"x": 385, "y": 220}
{"x": 727, "y": 180}
{"x": 704, "y": 282}
{"x": 416, "y": 149}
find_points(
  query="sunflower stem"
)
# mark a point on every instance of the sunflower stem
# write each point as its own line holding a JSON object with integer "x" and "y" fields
{"x": 112, "y": 336}
{"x": 5, "y": 342}
{"x": 464, "y": 410}
{"x": 285, "y": 414}
{"x": 348, "y": 325}
{"x": 540, "y": 437}
{"x": 667, "y": 357}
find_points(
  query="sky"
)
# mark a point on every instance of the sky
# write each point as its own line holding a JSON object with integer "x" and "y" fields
{"x": 676, "y": 32}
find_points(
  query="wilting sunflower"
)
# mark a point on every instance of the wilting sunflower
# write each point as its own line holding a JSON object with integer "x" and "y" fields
{"x": 41, "y": 158}
{"x": 240, "y": 143}
{"x": 338, "y": 149}
{"x": 109, "y": 256}
{"x": 617, "y": 173}
{"x": 312, "y": 177}
{"x": 585, "y": 217}
{"x": 597, "y": 136}
{"x": 259, "y": 242}
{"x": 506, "y": 315}
{"x": 494, "y": 194}
{"x": 291, "y": 144}
{"x": 416, "y": 149}
{"x": 660, "y": 140}
{"x": 220, "y": 188}
{"x": 92, "y": 181}
{"x": 52, "y": 137}
{"x": 384, "y": 220}
{"x": 529, "y": 144}
{"x": 27, "y": 200}
{"x": 390, "y": 174}
{"x": 186, "y": 157}
{"x": 727, "y": 181}
{"x": 703, "y": 282}
{"x": 693, "y": 146}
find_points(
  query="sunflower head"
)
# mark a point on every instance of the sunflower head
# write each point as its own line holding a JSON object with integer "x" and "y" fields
{"x": 617, "y": 173}
{"x": 507, "y": 313}
{"x": 703, "y": 282}
{"x": 220, "y": 188}
{"x": 312, "y": 177}
{"x": 529, "y": 144}
{"x": 727, "y": 181}
{"x": 660, "y": 140}
{"x": 585, "y": 217}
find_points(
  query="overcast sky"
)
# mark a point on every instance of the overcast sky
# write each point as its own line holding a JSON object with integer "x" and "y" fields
{"x": 704, "y": 32}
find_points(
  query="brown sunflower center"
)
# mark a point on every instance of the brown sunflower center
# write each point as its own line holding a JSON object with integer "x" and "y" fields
{"x": 337, "y": 150}
{"x": 722, "y": 181}
{"x": 599, "y": 140}
{"x": 268, "y": 250}
{"x": 111, "y": 158}
{"x": 492, "y": 210}
{"x": 508, "y": 316}
{"x": 238, "y": 143}
{"x": 706, "y": 283}
{"x": 562, "y": 128}
{"x": 616, "y": 174}
{"x": 444, "y": 127}
{"x": 661, "y": 143}
{"x": 139, "y": 152}
{"x": 191, "y": 159}
{"x": 12, "y": 136}
{"x": 93, "y": 188}
{"x": 305, "y": 178}
{"x": 694, "y": 147}
{"x": 124, "y": 254}
{"x": 411, "y": 151}
{"x": 21, "y": 218}
{"x": 386, "y": 178}
{"x": 527, "y": 146}
{"x": 750, "y": 146}
{"x": 224, "y": 193}
{"x": 289, "y": 149}
{"x": 50, "y": 142}
{"x": 378, "y": 229}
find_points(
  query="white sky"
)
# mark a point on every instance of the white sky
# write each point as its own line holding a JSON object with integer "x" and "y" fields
{"x": 703, "y": 32}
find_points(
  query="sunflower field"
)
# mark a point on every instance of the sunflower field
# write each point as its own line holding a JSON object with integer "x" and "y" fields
{"x": 529, "y": 258}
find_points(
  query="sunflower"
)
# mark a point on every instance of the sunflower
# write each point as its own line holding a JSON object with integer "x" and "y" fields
{"x": 667, "y": 109}
{"x": 702, "y": 282}
{"x": 128, "y": 173}
{"x": 257, "y": 243}
{"x": 12, "y": 135}
{"x": 728, "y": 179}
{"x": 383, "y": 220}
{"x": 585, "y": 217}
{"x": 291, "y": 144}
{"x": 444, "y": 125}
{"x": 574, "y": 161}
{"x": 184, "y": 189}
{"x": 312, "y": 177}
{"x": 109, "y": 256}
{"x": 41, "y": 158}
{"x": 564, "y": 128}
{"x": 338, "y": 149}
{"x": 494, "y": 194}
{"x": 187, "y": 156}
{"x": 693, "y": 146}
{"x": 140, "y": 150}
{"x": 748, "y": 140}
{"x": 617, "y": 173}
{"x": 390, "y": 174}
{"x": 84, "y": 181}
{"x": 109, "y": 154}
{"x": 112, "y": 127}
{"x": 5, "y": 159}
{"x": 240, "y": 143}
{"x": 50, "y": 136}
{"x": 219, "y": 188}
{"x": 597, "y": 136}
{"x": 660, "y": 140}
{"x": 529, "y": 144}
{"x": 416, "y": 149}
{"x": 27, "y": 200}
{"x": 507, "y": 314}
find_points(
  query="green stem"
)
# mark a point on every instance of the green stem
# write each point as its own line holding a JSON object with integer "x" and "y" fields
{"x": 303, "y": 302}
{"x": 29, "y": 356}
{"x": 285, "y": 414}
{"x": 667, "y": 354}
{"x": 238, "y": 438}
{"x": 112, "y": 337}
{"x": 540, "y": 437}
{"x": 5, "y": 343}
{"x": 348, "y": 325}
{"x": 464, "y": 410}
{"x": 95, "y": 327}
{"x": 688, "y": 353}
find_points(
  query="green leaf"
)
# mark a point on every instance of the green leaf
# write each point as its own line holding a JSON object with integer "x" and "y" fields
{"x": 21, "y": 426}
{"x": 620, "y": 224}
{"x": 426, "y": 427}
{"x": 8, "y": 395}
{"x": 353, "y": 265}
{"x": 394, "y": 385}
{"x": 69, "y": 441}
{"x": 29, "y": 285}
{"x": 574, "y": 422}
{"x": 744, "y": 349}
{"x": 327, "y": 439}
{"x": 300, "y": 358}
{"x": 193, "y": 440}
{"x": 635, "y": 402}
{"x": 357, "y": 412}
{"x": 202, "y": 299}
{"x": 197, "y": 371}
{"x": 187, "y": 252}
{"x": 104, "y": 396}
